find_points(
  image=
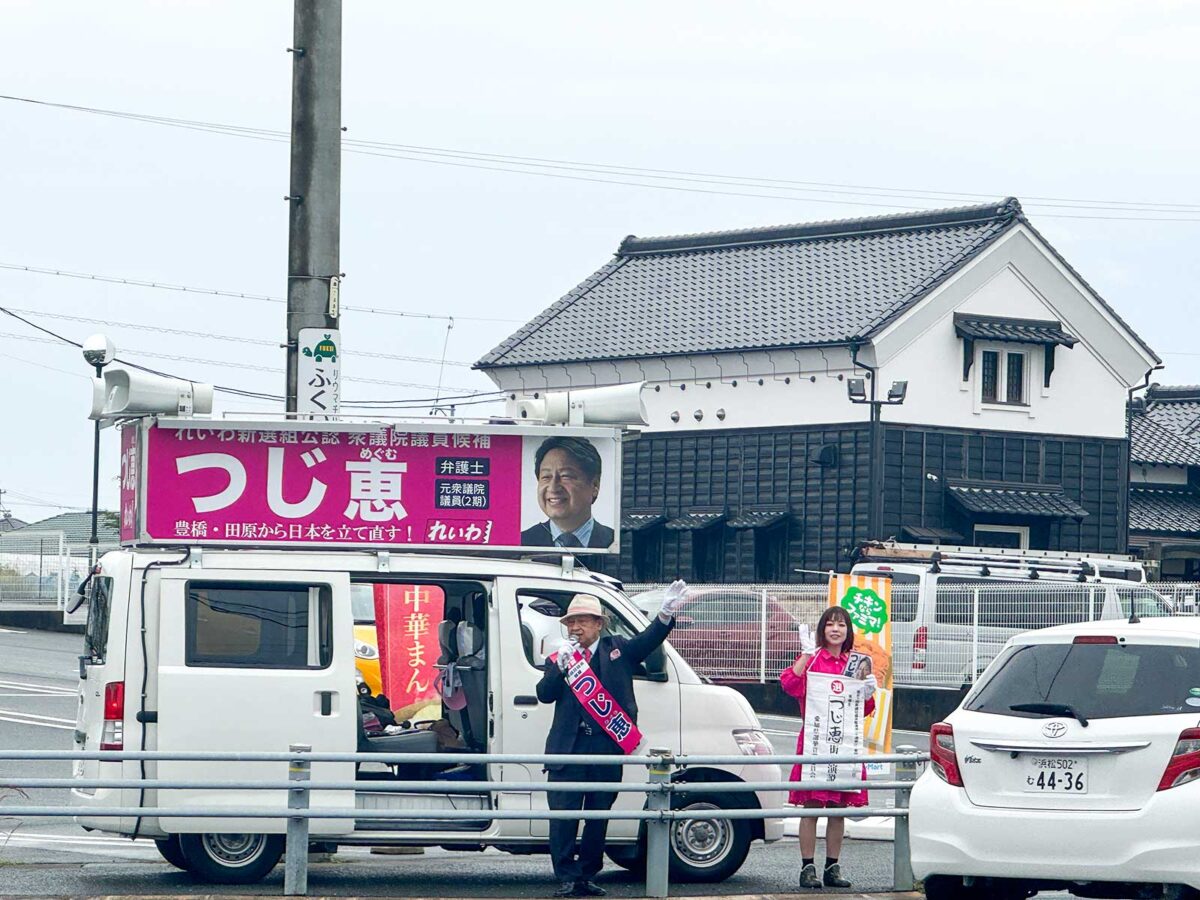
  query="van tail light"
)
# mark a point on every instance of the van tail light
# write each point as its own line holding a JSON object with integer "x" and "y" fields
{"x": 1184, "y": 765}
{"x": 920, "y": 645}
{"x": 1095, "y": 639}
{"x": 942, "y": 756}
{"x": 112, "y": 737}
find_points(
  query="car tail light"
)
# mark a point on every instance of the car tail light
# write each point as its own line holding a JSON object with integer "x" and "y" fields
{"x": 920, "y": 645}
{"x": 113, "y": 735}
{"x": 1184, "y": 764}
{"x": 1095, "y": 639}
{"x": 942, "y": 756}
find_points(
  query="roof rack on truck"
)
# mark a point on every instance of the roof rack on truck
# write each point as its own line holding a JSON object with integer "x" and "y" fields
{"x": 1001, "y": 561}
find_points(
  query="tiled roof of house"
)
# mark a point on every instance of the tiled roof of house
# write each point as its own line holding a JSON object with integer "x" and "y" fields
{"x": 1164, "y": 510}
{"x": 812, "y": 284}
{"x": 77, "y": 527}
{"x": 11, "y": 523}
{"x": 1175, "y": 406}
{"x": 788, "y": 286}
{"x": 1013, "y": 499}
{"x": 1151, "y": 441}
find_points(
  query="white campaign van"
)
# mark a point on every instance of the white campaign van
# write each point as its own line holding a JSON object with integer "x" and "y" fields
{"x": 942, "y": 637}
{"x": 247, "y": 645}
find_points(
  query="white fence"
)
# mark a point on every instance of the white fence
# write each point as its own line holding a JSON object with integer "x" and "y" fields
{"x": 943, "y": 635}
{"x": 39, "y": 570}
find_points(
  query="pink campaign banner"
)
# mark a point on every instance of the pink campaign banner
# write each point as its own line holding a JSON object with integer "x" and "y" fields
{"x": 391, "y": 486}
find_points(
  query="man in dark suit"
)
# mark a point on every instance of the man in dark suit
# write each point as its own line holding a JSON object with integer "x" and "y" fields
{"x": 614, "y": 660}
{"x": 568, "y": 483}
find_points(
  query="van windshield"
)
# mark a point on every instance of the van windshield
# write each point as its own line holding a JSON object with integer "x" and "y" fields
{"x": 1098, "y": 681}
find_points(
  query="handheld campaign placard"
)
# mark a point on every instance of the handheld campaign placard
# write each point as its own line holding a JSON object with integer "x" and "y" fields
{"x": 833, "y": 726}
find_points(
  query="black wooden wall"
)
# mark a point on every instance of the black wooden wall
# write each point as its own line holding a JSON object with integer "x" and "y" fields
{"x": 674, "y": 474}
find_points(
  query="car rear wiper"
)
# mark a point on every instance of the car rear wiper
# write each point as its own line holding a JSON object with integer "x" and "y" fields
{"x": 1050, "y": 709}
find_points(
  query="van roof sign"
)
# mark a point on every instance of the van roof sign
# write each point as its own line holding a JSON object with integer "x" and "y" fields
{"x": 428, "y": 486}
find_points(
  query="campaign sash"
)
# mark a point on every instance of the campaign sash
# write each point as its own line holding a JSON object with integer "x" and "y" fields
{"x": 600, "y": 704}
{"x": 833, "y": 726}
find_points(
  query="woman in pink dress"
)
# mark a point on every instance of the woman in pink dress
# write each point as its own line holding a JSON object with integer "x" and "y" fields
{"x": 826, "y": 655}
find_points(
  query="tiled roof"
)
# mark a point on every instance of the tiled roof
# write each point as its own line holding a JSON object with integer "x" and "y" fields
{"x": 1175, "y": 406}
{"x": 757, "y": 518}
{"x": 1001, "y": 328}
{"x": 695, "y": 520}
{"x": 789, "y": 286}
{"x": 11, "y": 523}
{"x": 1009, "y": 498}
{"x": 1164, "y": 511}
{"x": 1153, "y": 442}
{"x": 636, "y": 521}
{"x": 77, "y": 527}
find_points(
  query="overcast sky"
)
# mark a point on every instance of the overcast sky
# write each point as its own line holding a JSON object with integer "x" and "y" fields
{"x": 881, "y": 106}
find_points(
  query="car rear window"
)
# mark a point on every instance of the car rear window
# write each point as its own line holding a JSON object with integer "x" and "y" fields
{"x": 1098, "y": 681}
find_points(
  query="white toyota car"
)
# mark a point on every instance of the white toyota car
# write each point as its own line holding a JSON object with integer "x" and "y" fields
{"x": 1073, "y": 765}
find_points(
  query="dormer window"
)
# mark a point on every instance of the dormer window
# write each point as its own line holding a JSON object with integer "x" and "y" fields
{"x": 1004, "y": 369}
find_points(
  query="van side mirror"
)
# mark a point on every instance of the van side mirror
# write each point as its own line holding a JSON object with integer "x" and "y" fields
{"x": 80, "y": 595}
{"x": 656, "y": 665}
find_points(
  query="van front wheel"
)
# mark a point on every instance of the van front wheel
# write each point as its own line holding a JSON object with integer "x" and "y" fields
{"x": 231, "y": 858}
{"x": 707, "y": 848}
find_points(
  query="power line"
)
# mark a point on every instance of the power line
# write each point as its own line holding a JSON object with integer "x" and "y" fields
{"x": 236, "y": 365}
{"x": 58, "y": 338}
{"x": 419, "y": 153}
{"x": 231, "y": 338}
{"x": 217, "y": 292}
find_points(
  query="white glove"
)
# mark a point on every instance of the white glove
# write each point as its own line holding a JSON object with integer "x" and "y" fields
{"x": 871, "y": 683}
{"x": 675, "y": 596}
{"x": 566, "y": 656}
{"x": 808, "y": 643}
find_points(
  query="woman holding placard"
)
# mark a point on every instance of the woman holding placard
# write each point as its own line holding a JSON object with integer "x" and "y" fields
{"x": 828, "y": 653}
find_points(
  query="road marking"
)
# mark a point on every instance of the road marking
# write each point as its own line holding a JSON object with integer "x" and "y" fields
{"x": 12, "y": 631}
{"x": 54, "y": 689}
{"x": 24, "y": 718}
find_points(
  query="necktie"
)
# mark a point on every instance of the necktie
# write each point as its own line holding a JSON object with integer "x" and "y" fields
{"x": 568, "y": 539}
{"x": 587, "y": 654}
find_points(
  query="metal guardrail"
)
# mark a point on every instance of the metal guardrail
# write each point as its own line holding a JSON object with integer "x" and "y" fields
{"x": 658, "y": 788}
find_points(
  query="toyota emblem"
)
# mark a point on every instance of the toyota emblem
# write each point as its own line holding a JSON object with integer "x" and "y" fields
{"x": 1054, "y": 729}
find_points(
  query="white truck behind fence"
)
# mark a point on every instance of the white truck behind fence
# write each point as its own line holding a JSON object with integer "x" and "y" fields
{"x": 944, "y": 637}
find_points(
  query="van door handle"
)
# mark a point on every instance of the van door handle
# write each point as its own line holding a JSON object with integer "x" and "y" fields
{"x": 525, "y": 700}
{"x": 326, "y": 702}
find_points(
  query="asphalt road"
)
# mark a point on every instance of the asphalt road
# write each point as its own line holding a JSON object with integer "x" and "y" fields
{"x": 54, "y": 857}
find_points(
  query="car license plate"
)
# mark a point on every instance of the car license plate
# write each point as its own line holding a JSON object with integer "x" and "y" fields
{"x": 1056, "y": 775}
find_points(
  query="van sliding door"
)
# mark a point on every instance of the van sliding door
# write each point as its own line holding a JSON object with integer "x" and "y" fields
{"x": 254, "y": 661}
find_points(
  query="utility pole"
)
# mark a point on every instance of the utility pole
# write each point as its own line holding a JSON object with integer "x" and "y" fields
{"x": 314, "y": 197}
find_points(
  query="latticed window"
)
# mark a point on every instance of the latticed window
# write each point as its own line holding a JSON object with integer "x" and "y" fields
{"x": 1016, "y": 378}
{"x": 990, "y": 370}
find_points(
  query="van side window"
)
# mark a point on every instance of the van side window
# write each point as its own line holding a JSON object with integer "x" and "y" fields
{"x": 906, "y": 589}
{"x": 259, "y": 626}
{"x": 542, "y": 633}
{"x": 95, "y": 636}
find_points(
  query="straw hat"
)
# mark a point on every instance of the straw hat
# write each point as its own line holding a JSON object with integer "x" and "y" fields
{"x": 583, "y": 605}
